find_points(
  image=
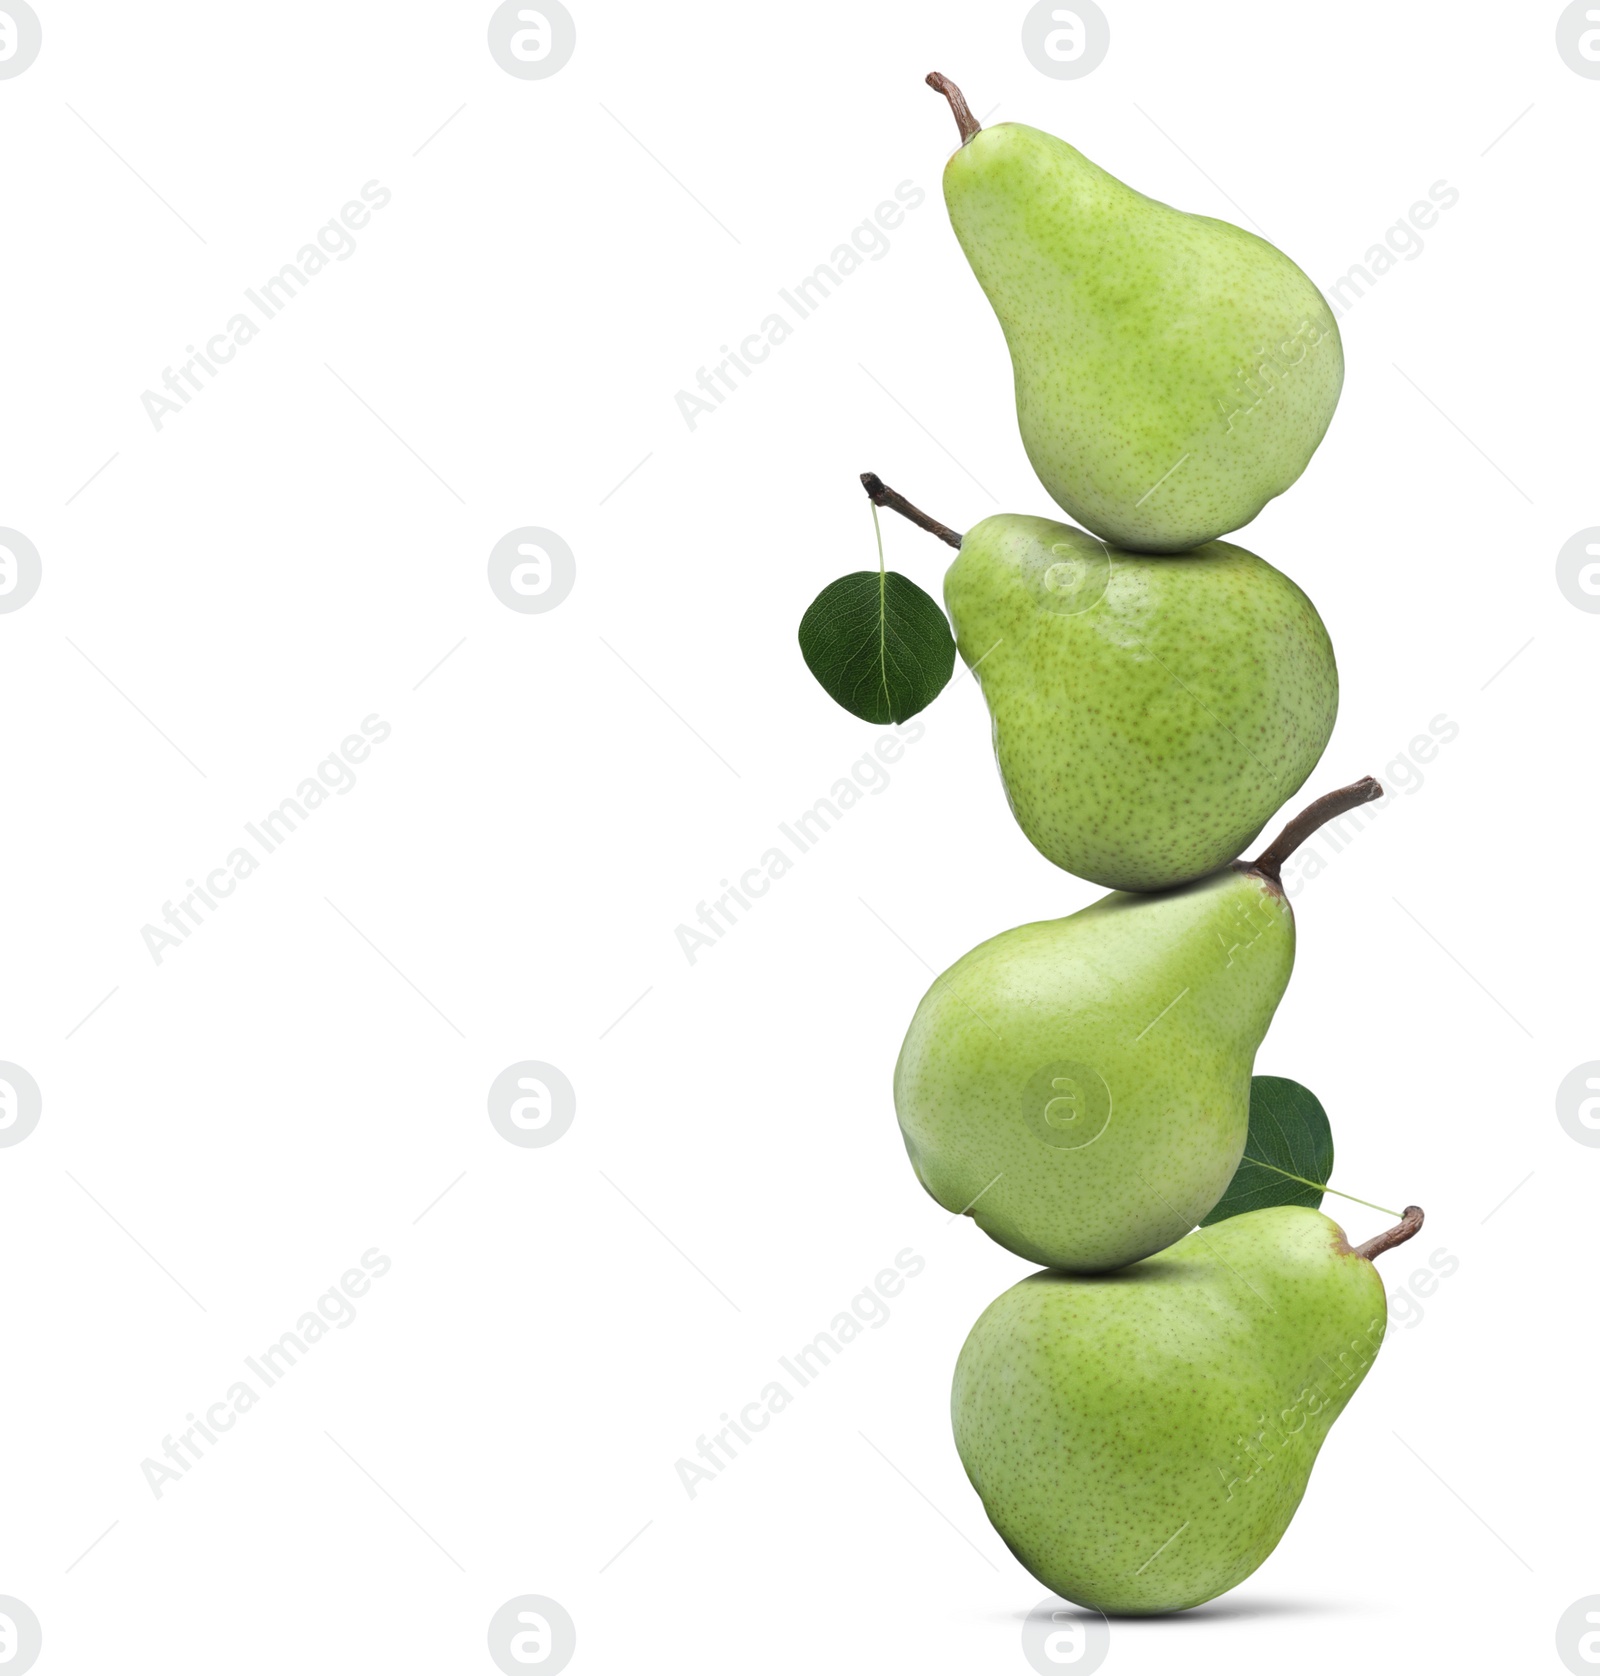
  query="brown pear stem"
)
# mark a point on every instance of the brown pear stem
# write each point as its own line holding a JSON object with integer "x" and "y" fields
{"x": 1336, "y": 803}
{"x": 965, "y": 120}
{"x": 1408, "y": 1225}
{"x": 881, "y": 494}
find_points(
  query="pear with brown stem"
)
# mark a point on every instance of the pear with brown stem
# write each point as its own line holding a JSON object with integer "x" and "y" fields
{"x": 1150, "y": 713}
{"x": 1173, "y": 372}
{"x": 1141, "y": 1440}
{"x": 1081, "y": 1087}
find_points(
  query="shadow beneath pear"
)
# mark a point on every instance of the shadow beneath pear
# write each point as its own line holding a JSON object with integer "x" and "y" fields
{"x": 1231, "y": 1610}
{"x": 1213, "y": 1611}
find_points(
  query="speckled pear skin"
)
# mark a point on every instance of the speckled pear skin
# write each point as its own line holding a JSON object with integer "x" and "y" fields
{"x": 1142, "y": 1440}
{"x": 1173, "y": 373}
{"x": 1081, "y": 1086}
{"x": 1150, "y": 713}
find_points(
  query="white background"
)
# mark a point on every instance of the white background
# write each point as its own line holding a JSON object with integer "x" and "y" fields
{"x": 233, "y": 593}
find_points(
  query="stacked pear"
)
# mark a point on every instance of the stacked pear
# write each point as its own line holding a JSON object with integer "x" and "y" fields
{"x": 1173, "y": 372}
{"x": 1141, "y": 1440}
{"x": 1150, "y": 714}
{"x": 1081, "y": 1087}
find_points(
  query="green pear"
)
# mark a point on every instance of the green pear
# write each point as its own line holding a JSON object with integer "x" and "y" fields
{"x": 1081, "y": 1087}
{"x": 1141, "y": 1440}
{"x": 1173, "y": 373}
{"x": 1150, "y": 712}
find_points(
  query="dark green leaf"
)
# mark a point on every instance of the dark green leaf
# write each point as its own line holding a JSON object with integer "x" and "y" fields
{"x": 1288, "y": 1154}
{"x": 878, "y": 645}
